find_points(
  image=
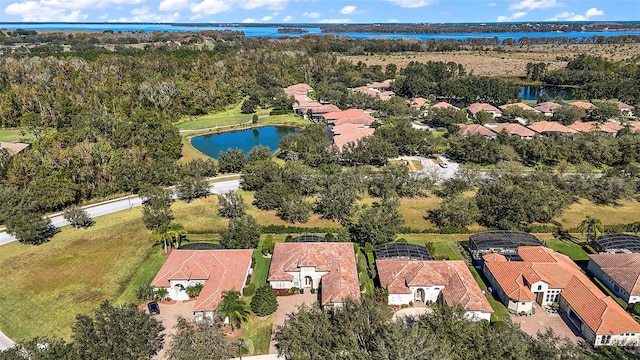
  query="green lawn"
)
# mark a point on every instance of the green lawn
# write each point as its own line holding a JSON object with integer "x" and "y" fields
{"x": 500, "y": 312}
{"x": 444, "y": 245}
{"x": 257, "y": 334}
{"x": 261, "y": 269}
{"x": 231, "y": 116}
{"x": 144, "y": 274}
{"x": 365, "y": 280}
{"x": 570, "y": 249}
{"x": 14, "y": 135}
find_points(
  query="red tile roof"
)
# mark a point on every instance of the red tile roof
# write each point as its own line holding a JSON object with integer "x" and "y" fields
{"x": 460, "y": 287}
{"x": 466, "y": 130}
{"x": 583, "y": 105}
{"x": 353, "y": 116}
{"x": 624, "y": 269}
{"x": 547, "y": 107}
{"x": 609, "y": 127}
{"x": 348, "y": 133}
{"x": 599, "y": 312}
{"x": 13, "y": 148}
{"x": 418, "y": 102}
{"x": 522, "y": 106}
{"x": 623, "y": 106}
{"x": 550, "y": 127}
{"x": 324, "y": 109}
{"x": 443, "y": 105}
{"x": 338, "y": 259}
{"x": 221, "y": 270}
{"x": 298, "y": 89}
{"x": 514, "y": 129}
{"x": 635, "y": 126}
{"x": 477, "y": 107}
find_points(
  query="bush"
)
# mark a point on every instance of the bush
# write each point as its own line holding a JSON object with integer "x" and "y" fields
{"x": 161, "y": 294}
{"x": 249, "y": 290}
{"x": 589, "y": 249}
{"x": 264, "y": 302}
{"x": 313, "y": 290}
{"x": 499, "y": 324}
{"x": 145, "y": 292}
{"x": 281, "y": 112}
{"x": 194, "y": 290}
{"x": 301, "y": 291}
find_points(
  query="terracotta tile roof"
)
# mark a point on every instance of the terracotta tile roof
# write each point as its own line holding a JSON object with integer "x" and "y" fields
{"x": 609, "y": 127}
{"x": 418, "y": 102}
{"x": 323, "y": 109}
{"x": 466, "y": 130}
{"x": 547, "y": 107}
{"x": 477, "y": 107}
{"x": 599, "y": 312}
{"x": 514, "y": 129}
{"x": 460, "y": 288}
{"x": 338, "y": 259}
{"x": 13, "y": 148}
{"x": 347, "y": 133}
{"x": 624, "y": 269}
{"x": 353, "y": 116}
{"x": 550, "y": 127}
{"x": 522, "y": 106}
{"x": 510, "y": 276}
{"x": 298, "y": 89}
{"x": 381, "y": 84}
{"x": 221, "y": 270}
{"x": 443, "y": 105}
{"x": 635, "y": 126}
{"x": 493, "y": 257}
{"x": 583, "y": 105}
{"x": 623, "y": 106}
{"x": 582, "y": 126}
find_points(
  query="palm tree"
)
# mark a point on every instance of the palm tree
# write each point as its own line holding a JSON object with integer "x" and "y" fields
{"x": 592, "y": 226}
{"x": 232, "y": 307}
{"x": 167, "y": 233}
{"x": 175, "y": 231}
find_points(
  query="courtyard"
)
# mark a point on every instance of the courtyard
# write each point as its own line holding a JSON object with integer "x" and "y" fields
{"x": 540, "y": 321}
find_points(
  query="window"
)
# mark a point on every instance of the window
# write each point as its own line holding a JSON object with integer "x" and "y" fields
{"x": 539, "y": 287}
{"x": 605, "y": 339}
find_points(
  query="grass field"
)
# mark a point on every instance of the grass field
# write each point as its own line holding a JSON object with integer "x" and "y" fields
{"x": 257, "y": 332}
{"x": 261, "y": 269}
{"x": 14, "y": 135}
{"x": 231, "y": 116}
{"x": 46, "y": 286}
{"x": 444, "y": 245}
{"x": 626, "y": 213}
{"x": 570, "y": 249}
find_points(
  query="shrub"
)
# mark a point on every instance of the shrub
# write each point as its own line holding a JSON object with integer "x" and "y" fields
{"x": 161, "y": 294}
{"x": 264, "y": 302}
{"x": 499, "y": 324}
{"x": 313, "y": 290}
{"x": 249, "y": 290}
{"x": 301, "y": 291}
{"x": 280, "y": 112}
{"x": 636, "y": 308}
{"x": 145, "y": 292}
{"x": 194, "y": 290}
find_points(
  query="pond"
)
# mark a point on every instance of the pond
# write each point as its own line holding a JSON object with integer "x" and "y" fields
{"x": 534, "y": 92}
{"x": 244, "y": 140}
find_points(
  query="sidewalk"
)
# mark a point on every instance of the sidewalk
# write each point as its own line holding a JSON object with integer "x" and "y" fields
{"x": 5, "y": 342}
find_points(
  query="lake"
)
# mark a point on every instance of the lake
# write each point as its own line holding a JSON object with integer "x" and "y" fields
{"x": 272, "y": 32}
{"x": 244, "y": 140}
{"x": 534, "y": 92}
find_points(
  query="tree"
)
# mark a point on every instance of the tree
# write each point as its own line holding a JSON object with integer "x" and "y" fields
{"x": 456, "y": 212}
{"x": 31, "y": 228}
{"x": 592, "y": 226}
{"x": 167, "y": 233}
{"x": 257, "y": 174}
{"x": 41, "y": 348}
{"x": 233, "y": 308}
{"x": 377, "y": 224}
{"x": 294, "y": 209}
{"x": 192, "y": 187}
{"x": 231, "y": 161}
{"x": 264, "y": 301}
{"x": 268, "y": 245}
{"x": 249, "y": 106}
{"x": 271, "y": 196}
{"x": 242, "y": 233}
{"x": 259, "y": 153}
{"x": 567, "y": 115}
{"x": 121, "y": 331}
{"x": 78, "y": 217}
{"x": 203, "y": 339}
{"x": 231, "y": 205}
{"x": 156, "y": 210}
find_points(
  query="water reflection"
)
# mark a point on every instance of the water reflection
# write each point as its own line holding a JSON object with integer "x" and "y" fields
{"x": 244, "y": 140}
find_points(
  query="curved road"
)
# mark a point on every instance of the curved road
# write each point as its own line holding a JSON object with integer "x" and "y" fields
{"x": 109, "y": 207}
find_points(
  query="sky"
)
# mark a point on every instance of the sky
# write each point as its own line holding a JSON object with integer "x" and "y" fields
{"x": 318, "y": 11}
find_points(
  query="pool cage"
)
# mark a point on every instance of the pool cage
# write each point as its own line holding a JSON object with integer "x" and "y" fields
{"x": 307, "y": 238}
{"x": 617, "y": 243}
{"x": 402, "y": 251}
{"x": 504, "y": 242}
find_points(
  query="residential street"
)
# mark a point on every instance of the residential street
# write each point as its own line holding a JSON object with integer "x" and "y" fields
{"x": 109, "y": 207}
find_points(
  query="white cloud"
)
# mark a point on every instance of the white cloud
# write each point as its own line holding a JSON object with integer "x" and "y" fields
{"x": 594, "y": 12}
{"x": 267, "y": 18}
{"x": 210, "y": 7}
{"x": 513, "y": 16}
{"x": 172, "y": 5}
{"x": 269, "y": 4}
{"x": 393, "y": 20}
{"x": 334, "y": 21}
{"x": 287, "y": 18}
{"x": 411, "y": 3}
{"x": 144, "y": 15}
{"x": 349, "y": 9}
{"x": 572, "y": 16}
{"x": 491, "y": 4}
{"x": 311, "y": 14}
{"x": 249, "y": 20}
{"x": 59, "y": 10}
{"x": 533, "y": 4}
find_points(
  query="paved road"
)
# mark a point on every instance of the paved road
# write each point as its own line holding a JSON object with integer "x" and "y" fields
{"x": 109, "y": 207}
{"x": 5, "y": 342}
{"x": 431, "y": 168}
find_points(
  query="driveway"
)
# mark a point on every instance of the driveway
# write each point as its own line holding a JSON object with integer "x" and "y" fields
{"x": 289, "y": 305}
{"x": 413, "y": 312}
{"x": 168, "y": 316}
{"x": 541, "y": 321}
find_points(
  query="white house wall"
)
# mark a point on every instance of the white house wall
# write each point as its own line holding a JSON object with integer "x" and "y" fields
{"x": 610, "y": 283}
{"x": 400, "y": 299}
{"x": 431, "y": 293}
{"x": 177, "y": 288}
{"x": 477, "y": 315}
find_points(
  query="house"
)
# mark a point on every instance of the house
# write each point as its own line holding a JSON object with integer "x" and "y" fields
{"x": 583, "y": 105}
{"x": 547, "y": 108}
{"x": 550, "y": 128}
{"x": 216, "y": 270}
{"x": 466, "y": 130}
{"x": 352, "y": 116}
{"x": 13, "y": 148}
{"x": 423, "y": 281}
{"x": 298, "y": 89}
{"x": 344, "y": 134}
{"x": 544, "y": 277}
{"x": 317, "y": 112}
{"x": 634, "y": 126}
{"x": 619, "y": 272}
{"x": 417, "y": 103}
{"x": 626, "y": 110}
{"x": 475, "y": 108}
{"x": 327, "y": 266}
{"x": 443, "y": 105}
{"x": 609, "y": 128}
{"x": 520, "y": 105}
{"x": 377, "y": 89}
{"x": 512, "y": 129}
